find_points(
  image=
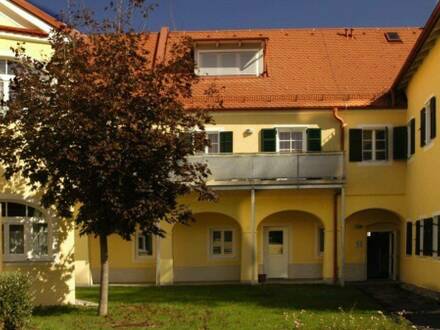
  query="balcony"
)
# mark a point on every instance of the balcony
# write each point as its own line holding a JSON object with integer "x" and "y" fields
{"x": 274, "y": 169}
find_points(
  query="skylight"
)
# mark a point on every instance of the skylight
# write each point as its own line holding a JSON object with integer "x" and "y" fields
{"x": 392, "y": 37}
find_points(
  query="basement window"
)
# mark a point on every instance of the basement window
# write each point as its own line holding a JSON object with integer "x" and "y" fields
{"x": 393, "y": 37}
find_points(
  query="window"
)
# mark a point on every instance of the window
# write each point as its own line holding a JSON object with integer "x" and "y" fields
{"x": 374, "y": 144}
{"x": 428, "y": 123}
{"x": 428, "y": 237}
{"x": 392, "y": 37}
{"x": 219, "y": 142}
{"x": 418, "y": 234}
{"x": 411, "y": 137}
{"x": 291, "y": 140}
{"x": 222, "y": 242}
{"x": 26, "y": 234}
{"x": 7, "y": 72}
{"x": 437, "y": 235}
{"x": 221, "y": 61}
{"x": 321, "y": 240}
{"x": 409, "y": 238}
{"x": 144, "y": 245}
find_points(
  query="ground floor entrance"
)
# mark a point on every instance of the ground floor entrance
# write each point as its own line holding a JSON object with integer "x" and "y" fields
{"x": 380, "y": 255}
{"x": 276, "y": 259}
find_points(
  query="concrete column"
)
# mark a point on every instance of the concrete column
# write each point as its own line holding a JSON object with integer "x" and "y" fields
{"x": 328, "y": 257}
{"x": 341, "y": 236}
{"x": 164, "y": 258}
{"x": 249, "y": 266}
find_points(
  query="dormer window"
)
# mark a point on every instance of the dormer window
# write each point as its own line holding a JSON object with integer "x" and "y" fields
{"x": 229, "y": 59}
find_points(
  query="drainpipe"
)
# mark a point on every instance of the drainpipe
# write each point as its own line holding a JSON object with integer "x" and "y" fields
{"x": 342, "y": 125}
{"x": 339, "y": 223}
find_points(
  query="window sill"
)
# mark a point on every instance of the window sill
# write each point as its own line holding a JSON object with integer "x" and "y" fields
{"x": 375, "y": 163}
{"x": 28, "y": 261}
{"x": 244, "y": 76}
{"x": 428, "y": 146}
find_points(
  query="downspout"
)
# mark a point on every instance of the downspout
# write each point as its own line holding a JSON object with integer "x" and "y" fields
{"x": 335, "y": 237}
{"x": 337, "y": 195}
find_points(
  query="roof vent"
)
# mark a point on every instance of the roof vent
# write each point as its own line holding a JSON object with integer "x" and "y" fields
{"x": 392, "y": 37}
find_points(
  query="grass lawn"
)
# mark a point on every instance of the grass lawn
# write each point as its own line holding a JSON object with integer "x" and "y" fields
{"x": 223, "y": 307}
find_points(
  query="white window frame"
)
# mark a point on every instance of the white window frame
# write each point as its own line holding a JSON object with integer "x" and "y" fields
{"x": 211, "y": 241}
{"x": 302, "y": 129}
{"x": 373, "y": 142}
{"x": 427, "y": 106}
{"x": 6, "y": 79}
{"x": 435, "y": 238}
{"x": 138, "y": 255}
{"x": 218, "y": 142}
{"x": 27, "y": 222}
{"x": 258, "y": 54}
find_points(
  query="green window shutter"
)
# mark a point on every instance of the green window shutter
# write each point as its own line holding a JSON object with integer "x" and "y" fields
{"x": 400, "y": 143}
{"x": 432, "y": 107}
{"x": 314, "y": 139}
{"x": 412, "y": 125}
{"x": 226, "y": 142}
{"x": 423, "y": 127}
{"x": 269, "y": 140}
{"x": 418, "y": 233}
{"x": 355, "y": 149}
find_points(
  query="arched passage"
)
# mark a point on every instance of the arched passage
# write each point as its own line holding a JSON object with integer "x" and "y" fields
{"x": 372, "y": 245}
{"x": 207, "y": 250}
{"x": 290, "y": 244}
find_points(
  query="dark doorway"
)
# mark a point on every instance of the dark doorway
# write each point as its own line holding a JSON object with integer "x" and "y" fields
{"x": 379, "y": 255}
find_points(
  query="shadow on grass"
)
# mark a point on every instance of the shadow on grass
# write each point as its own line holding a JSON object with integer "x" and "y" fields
{"x": 285, "y": 297}
{"x": 58, "y": 310}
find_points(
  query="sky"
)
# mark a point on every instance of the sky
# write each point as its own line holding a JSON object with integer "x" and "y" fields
{"x": 246, "y": 14}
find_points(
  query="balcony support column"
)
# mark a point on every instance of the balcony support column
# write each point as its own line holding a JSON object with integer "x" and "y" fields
{"x": 341, "y": 240}
{"x": 164, "y": 257}
{"x": 249, "y": 266}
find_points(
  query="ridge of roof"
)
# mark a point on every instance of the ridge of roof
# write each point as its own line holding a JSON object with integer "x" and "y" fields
{"x": 34, "y": 10}
{"x": 366, "y": 28}
{"x": 429, "y": 27}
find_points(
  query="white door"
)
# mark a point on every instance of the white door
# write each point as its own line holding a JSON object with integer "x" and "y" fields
{"x": 275, "y": 252}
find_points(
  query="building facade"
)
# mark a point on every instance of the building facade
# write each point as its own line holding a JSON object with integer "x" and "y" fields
{"x": 323, "y": 157}
{"x": 316, "y": 160}
{"x": 33, "y": 239}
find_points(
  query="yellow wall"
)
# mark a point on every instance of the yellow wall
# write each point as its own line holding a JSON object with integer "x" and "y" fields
{"x": 422, "y": 179}
{"x": 53, "y": 281}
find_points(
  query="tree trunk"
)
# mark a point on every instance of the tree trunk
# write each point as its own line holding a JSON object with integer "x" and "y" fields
{"x": 103, "y": 292}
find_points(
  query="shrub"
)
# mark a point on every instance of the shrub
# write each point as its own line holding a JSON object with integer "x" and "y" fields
{"x": 15, "y": 300}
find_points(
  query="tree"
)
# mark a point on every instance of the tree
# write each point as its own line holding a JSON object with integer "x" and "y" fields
{"x": 96, "y": 126}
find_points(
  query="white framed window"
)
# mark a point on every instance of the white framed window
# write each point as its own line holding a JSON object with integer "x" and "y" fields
{"x": 291, "y": 139}
{"x": 428, "y": 122}
{"x": 6, "y": 75}
{"x": 374, "y": 144}
{"x": 229, "y": 62}
{"x": 27, "y": 235}
{"x": 214, "y": 142}
{"x": 222, "y": 242}
{"x": 144, "y": 245}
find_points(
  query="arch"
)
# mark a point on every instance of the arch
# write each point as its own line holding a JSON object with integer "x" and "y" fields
{"x": 301, "y": 241}
{"x": 369, "y": 234}
{"x": 208, "y": 249}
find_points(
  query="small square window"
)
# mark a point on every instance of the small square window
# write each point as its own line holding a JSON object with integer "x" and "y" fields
{"x": 222, "y": 242}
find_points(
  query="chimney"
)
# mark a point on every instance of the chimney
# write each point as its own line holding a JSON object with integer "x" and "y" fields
{"x": 162, "y": 44}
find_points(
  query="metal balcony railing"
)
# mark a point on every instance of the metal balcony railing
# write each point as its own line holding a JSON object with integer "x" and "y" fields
{"x": 327, "y": 166}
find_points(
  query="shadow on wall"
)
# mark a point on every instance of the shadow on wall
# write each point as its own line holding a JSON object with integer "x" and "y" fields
{"x": 52, "y": 279}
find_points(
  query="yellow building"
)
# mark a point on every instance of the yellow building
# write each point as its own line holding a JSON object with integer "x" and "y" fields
{"x": 33, "y": 239}
{"x": 316, "y": 160}
{"x": 323, "y": 157}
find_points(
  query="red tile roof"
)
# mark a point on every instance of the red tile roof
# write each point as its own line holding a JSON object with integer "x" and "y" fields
{"x": 45, "y": 17}
{"x": 311, "y": 68}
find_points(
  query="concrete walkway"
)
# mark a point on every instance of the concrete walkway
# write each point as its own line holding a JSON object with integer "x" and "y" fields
{"x": 423, "y": 312}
